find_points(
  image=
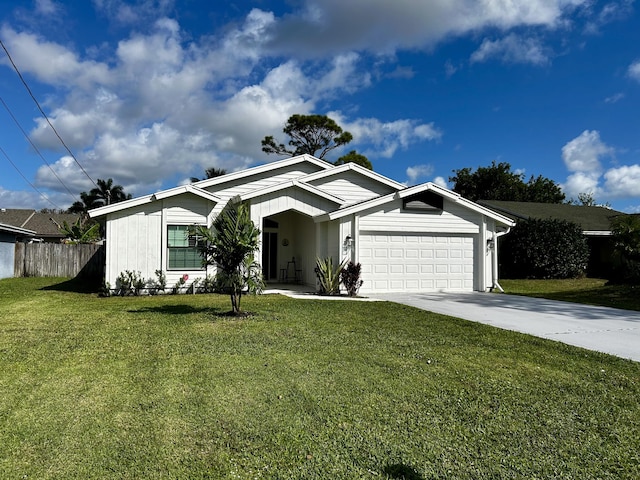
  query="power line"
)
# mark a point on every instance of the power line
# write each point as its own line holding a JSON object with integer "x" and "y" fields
{"x": 36, "y": 148}
{"x": 25, "y": 179}
{"x": 45, "y": 115}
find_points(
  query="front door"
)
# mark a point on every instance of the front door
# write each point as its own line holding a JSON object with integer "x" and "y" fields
{"x": 270, "y": 255}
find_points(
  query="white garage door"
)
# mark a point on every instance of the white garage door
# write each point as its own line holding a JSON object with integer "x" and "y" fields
{"x": 416, "y": 262}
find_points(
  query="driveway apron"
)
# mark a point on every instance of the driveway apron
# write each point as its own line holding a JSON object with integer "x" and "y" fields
{"x": 602, "y": 329}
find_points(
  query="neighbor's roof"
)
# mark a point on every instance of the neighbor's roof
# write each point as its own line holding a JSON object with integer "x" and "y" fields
{"x": 590, "y": 219}
{"x": 42, "y": 224}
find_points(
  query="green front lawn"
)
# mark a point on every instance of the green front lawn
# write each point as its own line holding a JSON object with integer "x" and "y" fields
{"x": 590, "y": 291}
{"x": 163, "y": 387}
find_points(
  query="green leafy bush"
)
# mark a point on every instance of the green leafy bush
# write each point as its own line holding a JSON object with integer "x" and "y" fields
{"x": 548, "y": 248}
{"x": 626, "y": 237}
{"x": 129, "y": 283}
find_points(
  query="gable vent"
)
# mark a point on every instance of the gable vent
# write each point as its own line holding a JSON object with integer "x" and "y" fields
{"x": 423, "y": 202}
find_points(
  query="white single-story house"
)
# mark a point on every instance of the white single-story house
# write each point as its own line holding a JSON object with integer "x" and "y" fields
{"x": 419, "y": 238}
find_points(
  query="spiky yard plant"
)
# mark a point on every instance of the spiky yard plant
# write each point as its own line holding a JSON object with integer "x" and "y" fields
{"x": 328, "y": 276}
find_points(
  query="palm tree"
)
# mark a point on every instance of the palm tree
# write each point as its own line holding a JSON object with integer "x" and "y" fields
{"x": 107, "y": 193}
{"x": 210, "y": 173}
{"x": 230, "y": 245}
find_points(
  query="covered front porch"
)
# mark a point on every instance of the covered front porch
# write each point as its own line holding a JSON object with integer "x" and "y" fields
{"x": 288, "y": 249}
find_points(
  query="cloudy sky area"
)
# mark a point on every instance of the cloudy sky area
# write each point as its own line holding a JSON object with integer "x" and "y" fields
{"x": 152, "y": 92}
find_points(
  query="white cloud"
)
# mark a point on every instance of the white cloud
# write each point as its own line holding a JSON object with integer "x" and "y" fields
{"x": 512, "y": 49}
{"x": 583, "y": 153}
{"x": 122, "y": 12}
{"x": 50, "y": 62}
{"x": 388, "y": 137}
{"x": 324, "y": 27}
{"x": 634, "y": 70}
{"x": 582, "y": 182}
{"x": 623, "y": 181}
{"x": 47, "y": 7}
{"x": 582, "y": 156}
{"x": 441, "y": 182}
{"x": 615, "y": 98}
{"x": 418, "y": 171}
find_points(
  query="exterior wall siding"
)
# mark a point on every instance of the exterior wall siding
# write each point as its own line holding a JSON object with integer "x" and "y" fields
{"x": 138, "y": 237}
{"x": 453, "y": 219}
{"x": 7, "y": 249}
{"x": 134, "y": 242}
{"x": 352, "y": 187}
{"x": 264, "y": 180}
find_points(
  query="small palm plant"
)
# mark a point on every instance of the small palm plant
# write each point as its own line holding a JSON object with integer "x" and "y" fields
{"x": 230, "y": 245}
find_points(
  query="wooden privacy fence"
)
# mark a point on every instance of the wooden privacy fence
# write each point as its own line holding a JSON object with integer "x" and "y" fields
{"x": 59, "y": 260}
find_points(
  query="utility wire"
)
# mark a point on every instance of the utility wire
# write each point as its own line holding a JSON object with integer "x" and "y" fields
{"x": 25, "y": 179}
{"x": 36, "y": 148}
{"x": 45, "y": 115}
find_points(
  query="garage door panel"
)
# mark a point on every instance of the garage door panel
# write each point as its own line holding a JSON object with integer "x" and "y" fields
{"x": 416, "y": 262}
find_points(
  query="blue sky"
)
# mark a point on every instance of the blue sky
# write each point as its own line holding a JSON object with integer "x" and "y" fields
{"x": 152, "y": 92}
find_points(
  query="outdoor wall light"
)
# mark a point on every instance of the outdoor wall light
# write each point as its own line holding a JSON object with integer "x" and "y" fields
{"x": 348, "y": 241}
{"x": 491, "y": 244}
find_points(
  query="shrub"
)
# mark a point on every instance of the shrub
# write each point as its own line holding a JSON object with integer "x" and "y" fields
{"x": 548, "y": 248}
{"x": 626, "y": 236}
{"x": 161, "y": 283}
{"x": 350, "y": 278}
{"x": 129, "y": 283}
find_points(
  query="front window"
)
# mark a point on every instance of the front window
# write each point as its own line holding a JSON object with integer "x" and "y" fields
{"x": 183, "y": 249}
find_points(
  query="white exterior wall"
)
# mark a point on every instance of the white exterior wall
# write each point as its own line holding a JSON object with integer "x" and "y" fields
{"x": 137, "y": 237}
{"x": 352, "y": 187}
{"x": 134, "y": 242}
{"x": 390, "y": 218}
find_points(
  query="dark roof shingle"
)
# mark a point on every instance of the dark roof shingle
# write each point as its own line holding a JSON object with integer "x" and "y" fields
{"x": 590, "y": 219}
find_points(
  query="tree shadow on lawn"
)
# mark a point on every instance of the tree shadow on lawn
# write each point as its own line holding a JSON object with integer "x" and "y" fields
{"x": 178, "y": 309}
{"x": 188, "y": 309}
{"x": 401, "y": 471}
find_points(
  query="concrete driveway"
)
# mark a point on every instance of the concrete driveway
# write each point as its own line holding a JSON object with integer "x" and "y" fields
{"x": 602, "y": 329}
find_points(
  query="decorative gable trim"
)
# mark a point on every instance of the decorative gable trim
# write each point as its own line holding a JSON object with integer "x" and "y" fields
{"x": 267, "y": 167}
{"x": 292, "y": 184}
{"x": 355, "y": 168}
{"x": 172, "y": 192}
{"x": 408, "y": 192}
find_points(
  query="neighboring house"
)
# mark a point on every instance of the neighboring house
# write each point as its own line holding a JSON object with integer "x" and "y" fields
{"x": 594, "y": 221}
{"x": 420, "y": 238}
{"x": 45, "y": 225}
{"x": 8, "y": 237}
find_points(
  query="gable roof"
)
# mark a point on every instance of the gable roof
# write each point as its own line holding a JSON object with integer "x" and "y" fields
{"x": 41, "y": 224}
{"x": 267, "y": 167}
{"x": 592, "y": 220}
{"x": 289, "y": 184}
{"x": 406, "y": 192}
{"x": 354, "y": 167}
{"x": 172, "y": 192}
{"x": 198, "y": 188}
